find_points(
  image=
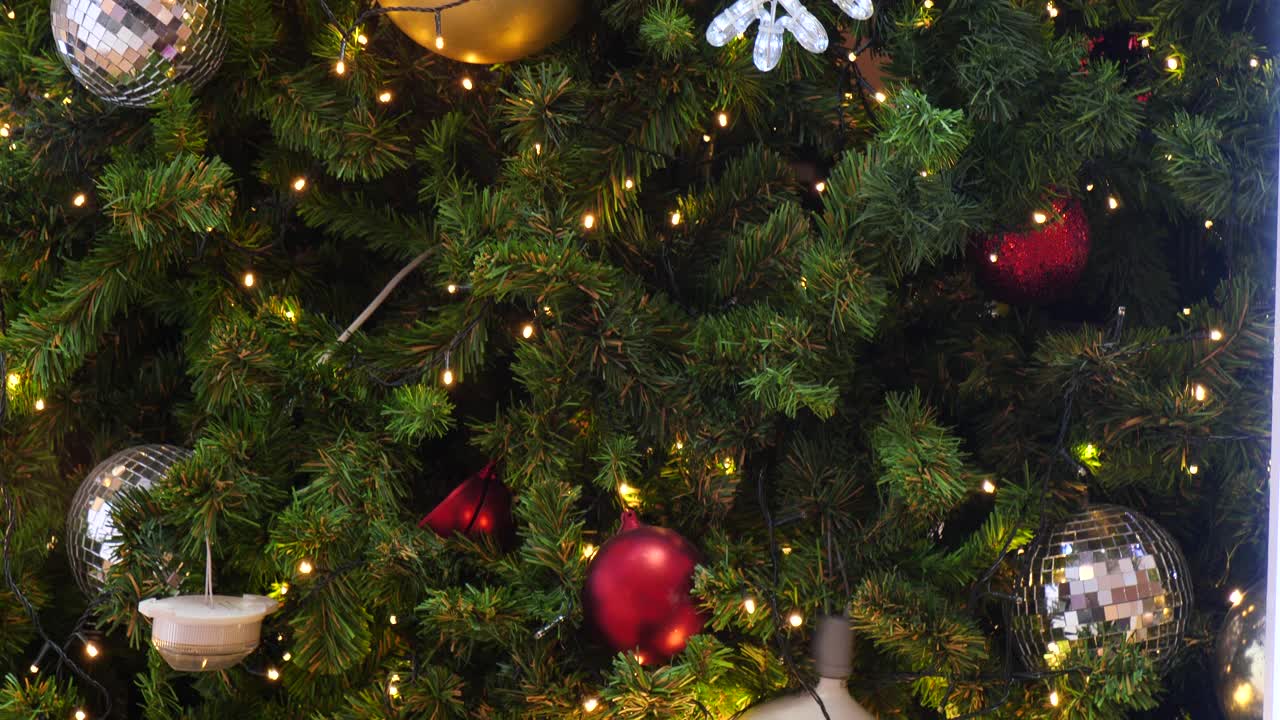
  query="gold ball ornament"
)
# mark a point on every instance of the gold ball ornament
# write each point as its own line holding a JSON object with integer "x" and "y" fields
{"x": 487, "y": 31}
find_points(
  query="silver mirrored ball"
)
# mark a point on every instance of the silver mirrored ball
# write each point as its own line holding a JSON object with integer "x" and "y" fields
{"x": 1103, "y": 576}
{"x": 91, "y": 532}
{"x": 1241, "y": 665}
{"x": 129, "y": 51}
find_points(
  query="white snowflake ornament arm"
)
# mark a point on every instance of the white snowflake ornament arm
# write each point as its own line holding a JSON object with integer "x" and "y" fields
{"x": 801, "y": 23}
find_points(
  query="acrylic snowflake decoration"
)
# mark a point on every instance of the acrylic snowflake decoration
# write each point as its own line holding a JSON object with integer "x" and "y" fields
{"x": 797, "y": 20}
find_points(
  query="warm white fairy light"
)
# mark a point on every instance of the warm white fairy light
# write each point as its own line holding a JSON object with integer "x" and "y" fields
{"x": 706, "y": 138}
{"x": 820, "y": 186}
{"x": 1215, "y": 334}
{"x": 13, "y": 379}
{"x": 1208, "y": 224}
{"x": 993, "y": 257}
{"x": 362, "y": 39}
{"x": 1039, "y": 217}
{"x": 340, "y": 68}
{"x": 287, "y": 656}
{"x": 1193, "y": 469}
{"x": 786, "y": 549}
{"x": 1088, "y": 187}
{"x": 675, "y": 218}
{"x": 80, "y": 715}
{"x": 1199, "y": 392}
{"x": 451, "y": 288}
{"x": 11, "y": 15}
{"x": 446, "y": 377}
{"x": 588, "y": 221}
{"x": 467, "y": 84}
{"x": 1113, "y": 202}
{"x": 4, "y": 130}
{"x": 384, "y": 97}
{"x": 248, "y": 279}
{"x": 537, "y": 148}
{"x": 273, "y": 674}
{"x": 795, "y": 619}
{"x": 880, "y": 97}
{"x": 299, "y": 184}
{"x": 1145, "y": 42}
{"x": 588, "y": 551}
{"x": 1052, "y": 10}
{"x": 628, "y": 183}
{"x": 393, "y": 690}
{"x": 283, "y": 589}
{"x": 305, "y": 568}
{"x": 290, "y": 316}
{"x": 439, "y": 42}
{"x": 722, "y": 119}
{"x": 79, "y": 199}
{"x": 988, "y": 487}
{"x": 526, "y": 331}
{"x": 1235, "y": 598}
{"x": 853, "y": 56}
{"x": 33, "y": 669}
{"x": 1053, "y": 698}
{"x": 1186, "y": 311}
{"x": 91, "y": 650}
{"x": 590, "y": 704}
{"x": 928, "y": 4}
{"x": 1253, "y": 62}
{"x": 1171, "y": 62}
{"x": 749, "y": 605}
{"x": 1243, "y": 694}
{"x": 393, "y": 620}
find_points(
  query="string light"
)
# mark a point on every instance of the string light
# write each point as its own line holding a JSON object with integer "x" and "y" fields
{"x": 526, "y": 331}
{"x": 1199, "y": 392}
{"x": 988, "y": 487}
{"x": 273, "y": 674}
{"x": 993, "y": 257}
{"x": 248, "y": 279}
{"x": 1208, "y": 224}
{"x": 588, "y": 221}
{"x": 1215, "y": 334}
{"x": 305, "y": 568}
{"x": 80, "y": 715}
{"x": 299, "y": 184}
{"x": 1112, "y": 202}
{"x": 1186, "y": 311}
{"x": 12, "y": 15}
{"x": 1171, "y": 62}
{"x": 1193, "y": 469}
{"x": 1145, "y": 42}
{"x": 467, "y": 84}
{"x": 1088, "y": 188}
{"x": 588, "y": 551}
{"x": 628, "y": 183}
{"x": 786, "y": 549}
{"x": 34, "y": 669}
{"x": 362, "y": 39}
{"x": 451, "y": 288}
{"x": 1052, "y": 10}
{"x": 924, "y": 173}
{"x": 439, "y": 42}
{"x": 1235, "y": 598}
{"x": 446, "y": 377}
{"x": 91, "y": 650}
{"x": 1243, "y": 695}
{"x": 928, "y": 4}
{"x": 384, "y": 97}
{"x": 79, "y": 199}
{"x": 4, "y": 130}
{"x": 287, "y": 656}
{"x": 880, "y": 97}
{"x": 393, "y": 620}
{"x": 537, "y": 148}
{"x": 289, "y": 315}
{"x": 820, "y": 186}
{"x": 795, "y": 619}
{"x": 749, "y": 605}
{"x": 1053, "y": 698}
{"x": 39, "y": 404}
{"x": 392, "y": 690}
{"x": 13, "y": 380}
{"x": 1039, "y": 217}
{"x": 853, "y": 56}
{"x": 340, "y": 68}
{"x": 590, "y": 704}
{"x": 675, "y": 218}
{"x": 723, "y": 119}
{"x": 1253, "y": 61}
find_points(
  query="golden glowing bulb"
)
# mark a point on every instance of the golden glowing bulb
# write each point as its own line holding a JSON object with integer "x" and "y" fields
{"x": 928, "y": 4}
{"x": 467, "y": 84}
{"x": 248, "y": 279}
{"x": 79, "y": 199}
{"x": 273, "y": 674}
{"x": 588, "y": 551}
{"x": 537, "y": 148}
{"x": 34, "y": 668}
{"x": 590, "y": 704}
{"x": 451, "y": 288}
{"x": 1235, "y": 598}
{"x": 446, "y": 377}
{"x": 1253, "y": 62}
{"x": 679, "y": 445}
{"x": 924, "y": 173}
{"x": 1199, "y": 392}
{"x": 13, "y": 380}
{"x": 628, "y": 183}
{"x": 393, "y": 619}
{"x": 706, "y": 138}
{"x": 287, "y": 656}
{"x": 786, "y": 549}
{"x": 1052, "y": 10}
{"x": 795, "y": 619}
{"x": 11, "y": 15}
{"x": 80, "y": 715}
{"x": 526, "y": 331}
{"x": 881, "y": 97}
{"x": 722, "y": 119}
{"x": 625, "y": 489}
{"x": 749, "y": 605}
{"x": 1039, "y": 217}
{"x": 284, "y": 588}
{"x": 439, "y": 42}
{"x": 289, "y": 315}
{"x": 1171, "y": 62}
{"x": 988, "y": 487}
{"x": 305, "y": 567}
{"x": 588, "y": 221}
{"x": 820, "y": 186}
{"x": 1186, "y": 311}
{"x": 1215, "y": 334}
{"x": 1145, "y": 42}
{"x": 1088, "y": 188}
{"x": 299, "y": 184}
{"x": 91, "y": 650}
{"x": 362, "y": 39}
{"x": 1208, "y": 224}
{"x": 4, "y": 131}
{"x": 39, "y": 404}
{"x": 1193, "y": 469}
{"x": 1243, "y": 694}
{"x": 1053, "y": 698}
{"x": 384, "y": 97}
{"x": 675, "y": 218}
{"x": 1112, "y": 202}
{"x": 993, "y": 257}
{"x": 340, "y": 68}
{"x": 853, "y": 56}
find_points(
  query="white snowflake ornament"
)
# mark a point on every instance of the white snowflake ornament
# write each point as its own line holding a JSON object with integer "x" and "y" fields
{"x": 735, "y": 20}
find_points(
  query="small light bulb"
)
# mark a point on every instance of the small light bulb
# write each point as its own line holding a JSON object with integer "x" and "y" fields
{"x": 1186, "y": 311}
{"x": 1039, "y": 217}
{"x": 340, "y": 68}
{"x": 625, "y": 489}
{"x": 39, "y": 404}
{"x": 1243, "y": 694}
{"x": 679, "y": 445}
{"x": 881, "y": 97}
{"x": 1253, "y": 61}
{"x": 706, "y": 138}
{"x": 1171, "y": 62}
{"x": 1199, "y": 392}
{"x": 723, "y": 119}
{"x": 1053, "y": 698}
{"x": 1193, "y": 469}
{"x": 1088, "y": 188}
{"x": 588, "y": 221}
{"x": 80, "y": 715}
{"x": 66, "y": 100}
{"x": 1145, "y": 42}
{"x": 300, "y": 184}
{"x": 392, "y": 690}
{"x": 451, "y": 288}
{"x": 384, "y": 97}
{"x": 13, "y": 379}
{"x": 362, "y": 39}
{"x": 924, "y": 173}
{"x": 289, "y": 315}
{"x": 4, "y": 131}
{"x": 79, "y": 200}
{"x": 988, "y": 487}
{"x": 993, "y": 257}
{"x": 590, "y": 704}
{"x": 34, "y": 668}
{"x": 248, "y": 280}
{"x": 446, "y": 377}
{"x": 928, "y": 4}
{"x": 749, "y": 605}
{"x": 1208, "y": 224}
{"x": 467, "y": 84}
{"x": 1215, "y": 334}
{"x": 91, "y": 650}
{"x": 795, "y": 619}
{"x": 439, "y": 42}
{"x": 1052, "y": 10}
{"x": 786, "y": 549}
{"x": 393, "y": 620}
{"x": 588, "y": 551}
{"x": 628, "y": 183}
{"x": 1112, "y": 202}
{"x": 305, "y": 567}
{"x": 1236, "y": 597}
{"x": 273, "y": 674}
{"x": 537, "y": 148}
{"x": 287, "y": 656}
{"x": 675, "y": 218}
{"x": 526, "y": 331}
{"x": 853, "y": 56}
{"x": 820, "y": 186}
{"x": 11, "y": 15}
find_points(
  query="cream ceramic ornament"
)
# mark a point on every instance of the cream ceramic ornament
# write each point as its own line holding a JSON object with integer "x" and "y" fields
{"x": 833, "y": 659}
{"x": 203, "y": 633}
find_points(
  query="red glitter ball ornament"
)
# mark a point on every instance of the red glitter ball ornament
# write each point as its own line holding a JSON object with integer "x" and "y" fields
{"x": 481, "y": 505}
{"x": 637, "y": 591}
{"x": 1038, "y": 266}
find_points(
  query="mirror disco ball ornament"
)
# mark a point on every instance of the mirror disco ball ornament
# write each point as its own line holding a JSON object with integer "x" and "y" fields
{"x": 129, "y": 51}
{"x": 1242, "y": 657}
{"x": 1105, "y": 575}
{"x": 91, "y": 541}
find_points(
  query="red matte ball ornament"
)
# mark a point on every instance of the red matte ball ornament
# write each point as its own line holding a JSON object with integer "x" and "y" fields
{"x": 637, "y": 591}
{"x": 481, "y": 505}
{"x": 1039, "y": 266}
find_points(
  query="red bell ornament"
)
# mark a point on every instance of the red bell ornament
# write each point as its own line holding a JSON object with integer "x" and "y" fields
{"x": 1041, "y": 265}
{"x": 481, "y": 505}
{"x": 637, "y": 591}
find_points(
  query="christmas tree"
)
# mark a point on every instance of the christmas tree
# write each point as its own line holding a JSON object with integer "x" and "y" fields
{"x": 850, "y": 335}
